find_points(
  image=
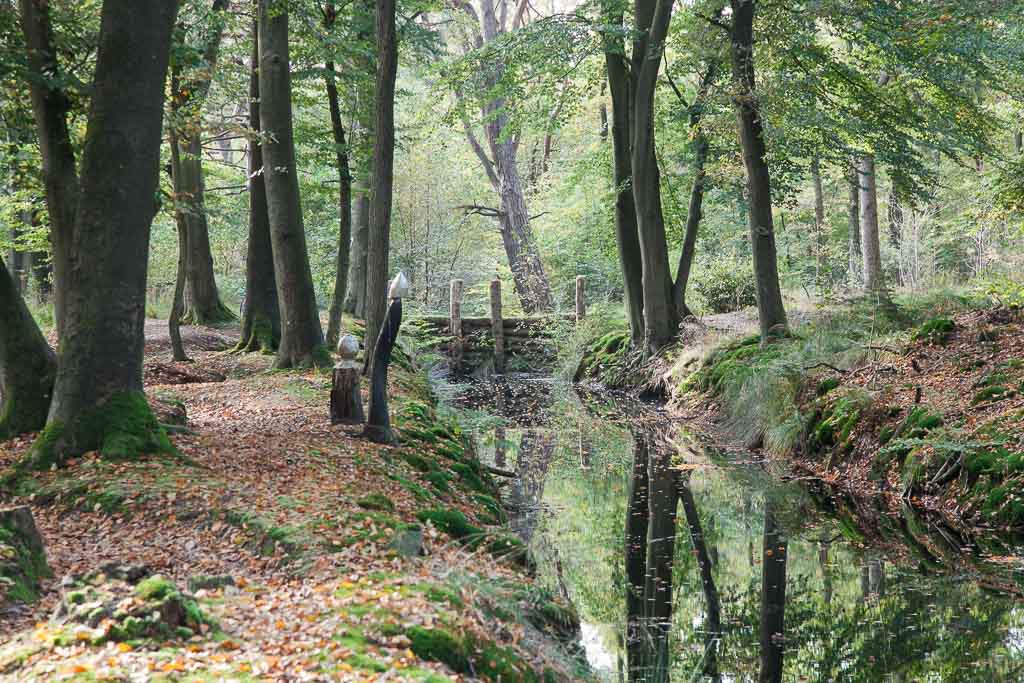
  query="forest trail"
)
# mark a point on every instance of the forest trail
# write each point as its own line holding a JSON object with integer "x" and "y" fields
{"x": 278, "y": 500}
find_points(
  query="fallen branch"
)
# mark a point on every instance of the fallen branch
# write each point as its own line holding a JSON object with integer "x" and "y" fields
{"x": 500, "y": 472}
{"x": 823, "y": 364}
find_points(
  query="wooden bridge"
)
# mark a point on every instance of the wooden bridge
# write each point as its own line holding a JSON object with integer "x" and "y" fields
{"x": 496, "y": 333}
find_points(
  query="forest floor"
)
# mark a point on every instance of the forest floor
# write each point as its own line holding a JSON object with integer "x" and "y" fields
{"x": 276, "y": 526}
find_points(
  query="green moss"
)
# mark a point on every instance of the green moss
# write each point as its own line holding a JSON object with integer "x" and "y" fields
{"x": 376, "y": 501}
{"x": 452, "y": 522}
{"x": 122, "y": 428}
{"x": 439, "y": 480}
{"x": 992, "y": 394}
{"x": 495, "y": 513}
{"x": 419, "y": 462}
{"x": 935, "y": 331}
{"x": 827, "y": 385}
{"x": 437, "y": 645}
{"x": 470, "y": 477}
{"x": 155, "y": 588}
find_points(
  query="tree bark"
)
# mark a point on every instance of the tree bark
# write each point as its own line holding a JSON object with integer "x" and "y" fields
{"x": 379, "y": 238}
{"x": 202, "y": 299}
{"x": 50, "y": 107}
{"x": 626, "y": 236}
{"x": 178, "y": 301}
{"x": 819, "y": 219}
{"x": 661, "y": 535}
{"x": 1018, "y": 142}
{"x": 874, "y": 280}
{"x": 27, "y": 364}
{"x": 895, "y": 215}
{"x": 773, "y": 598}
{"x": 378, "y": 425}
{"x": 853, "y": 225}
{"x": 661, "y": 319}
{"x": 695, "y": 210}
{"x": 712, "y": 602}
{"x": 98, "y": 403}
{"x": 637, "y": 515}
{"x": 302, "y": 338}
{"x": 344, "y": 209}
{"x": 355, "y": 302}
{"x": 261, "y": 314}
{"x": 771, "y": 312}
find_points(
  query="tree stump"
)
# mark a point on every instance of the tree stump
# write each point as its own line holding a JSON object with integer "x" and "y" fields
{"x": 346, "y": 402}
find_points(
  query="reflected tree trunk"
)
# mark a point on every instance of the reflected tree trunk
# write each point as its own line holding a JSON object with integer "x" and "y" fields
{"x": 773, "y": 597}
{"x": 713, "y": 606}
{"x": 826, "y": 571}
{"x": 637, "y": 514}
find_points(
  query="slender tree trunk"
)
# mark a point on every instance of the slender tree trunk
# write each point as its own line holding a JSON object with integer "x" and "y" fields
{"x": 620, "y": 86}
{"x": 1018, "y": 142}
{"x": 771, "y": 312}
{"x": 826, "y": 571}
{"x": 27, "y": 364}
{"x": 661, "y": 535}
{"x": 261, "y": 315}
{"x": 355, "y": 302}
{"x": 712, "y": 603}
{"x": 874, "y": 280}
{"x": 895, "y": 215}
{"x": 853, "y": 223}
{"x": 302, "y": 338}
{"x": 202, "y": 298}
{"x": 344, "y": 211}
{"x": 178, "y": 301}
{"x": 661, "y": 319}
{"x": 637, "y": 515}
{"x": 773, "y": 598}
{"x": 98, "y": 403}
{"x": 50, "y": 107}
{"x": 819, "y": 220}
{"x": 695, "y": 211}
{"x": 379, "y": 238}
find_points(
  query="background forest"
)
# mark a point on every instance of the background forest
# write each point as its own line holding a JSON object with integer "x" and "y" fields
{"x": 943, "y": 130}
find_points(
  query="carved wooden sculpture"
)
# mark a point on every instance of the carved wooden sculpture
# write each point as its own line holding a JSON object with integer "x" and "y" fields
{"x": 346, "y": 403}
{"x": 378, "y": 428}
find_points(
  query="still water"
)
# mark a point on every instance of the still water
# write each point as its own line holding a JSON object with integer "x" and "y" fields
{"x": 690, "y": 563}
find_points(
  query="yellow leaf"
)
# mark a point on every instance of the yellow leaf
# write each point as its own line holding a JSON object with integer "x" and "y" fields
{"x": 124, "y": 647}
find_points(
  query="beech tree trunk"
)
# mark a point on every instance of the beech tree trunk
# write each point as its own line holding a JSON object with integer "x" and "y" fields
{"x": 853, "y": 225}
{"x": 773, "y": 598}
{"x": 178, "y": 300}
{"x": 628, "y": 240}
{"x": 355, "y": 301}
{"x": 695, "y": 210}
{"x": 202, "y": 299}
{"x": 27, "y": 364}
{"x": 344, "y": 210}
{"x": 661, "y": 320}
{"x": 302, "y": 338}
{"x": 261, "y": 315}
{"x": 98, "y": 403}
{"x": 771, "y": 312}
{"x": 50, "y": 107}
{"x": 379, "y": 238}
{"x": 819, "y": 219}
{"x": 874, "y": 280}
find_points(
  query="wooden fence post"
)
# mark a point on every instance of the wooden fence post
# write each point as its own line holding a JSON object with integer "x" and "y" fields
{"x": 455, "y": 324}
{"x": 581, "y": 304}
{"x": 497, "y": 326}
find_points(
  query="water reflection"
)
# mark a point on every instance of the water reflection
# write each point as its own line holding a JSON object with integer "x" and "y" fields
{"x": 688, "y": 565}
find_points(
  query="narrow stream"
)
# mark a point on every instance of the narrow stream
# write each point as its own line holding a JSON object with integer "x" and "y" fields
{"x": 691, "y": 564}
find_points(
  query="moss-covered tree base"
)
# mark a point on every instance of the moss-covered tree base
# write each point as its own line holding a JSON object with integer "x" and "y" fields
{"x": 22, "y": 556}
{"x": 122, "y": 428}
{"x": 216, "y": 314}
{"x": 258, "y": 338}
{"x": 318, "y": 357}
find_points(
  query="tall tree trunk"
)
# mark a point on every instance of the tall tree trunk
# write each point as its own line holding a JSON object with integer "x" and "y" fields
{"x": 302, "y": 337}
{"x": 355, "y": 302}
{"x": 1018, "y": 142}
{"x": 178, "y": 300}
{"x": 27, "y": 364}
{"x": 853, "y": 225}
{"x": 819, "y": 220}
{"x": 202, "y": 299}
{"x": 50, "y": 107}
{"x": 637, "y": 515}
{"x": 771, "y": 312}
{"x": 626, "y": 236}
{"x": 712, "y": 602}
{"x": 661, "y": 319}
{"x": 261, "y": 315}
{"x": 344, "y": 211}
{"x": 773, "y": 598}
{"x": 874, "y": 280}
{"x": 895, "y": 215}
{"x": 98, "y": 403}
{"x": 661, "y": 535}
{"x": 379, "y": 238}
{"x": 695, "y": 211}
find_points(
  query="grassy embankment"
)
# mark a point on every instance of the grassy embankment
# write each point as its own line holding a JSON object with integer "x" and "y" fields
{"x": 924, "y": 402}
{"x": 271, "y": 532}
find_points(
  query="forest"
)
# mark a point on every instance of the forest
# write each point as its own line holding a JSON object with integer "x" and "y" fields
{"x": 511, "y": 340}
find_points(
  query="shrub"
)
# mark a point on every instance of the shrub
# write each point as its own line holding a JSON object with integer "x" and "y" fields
{"x": 726, "y": 285}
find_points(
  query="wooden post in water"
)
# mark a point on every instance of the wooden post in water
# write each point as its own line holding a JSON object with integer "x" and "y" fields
{"x": 581, "y": 304}
{"x": 497, "y": 327}
{"x": 455, "y": 324}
